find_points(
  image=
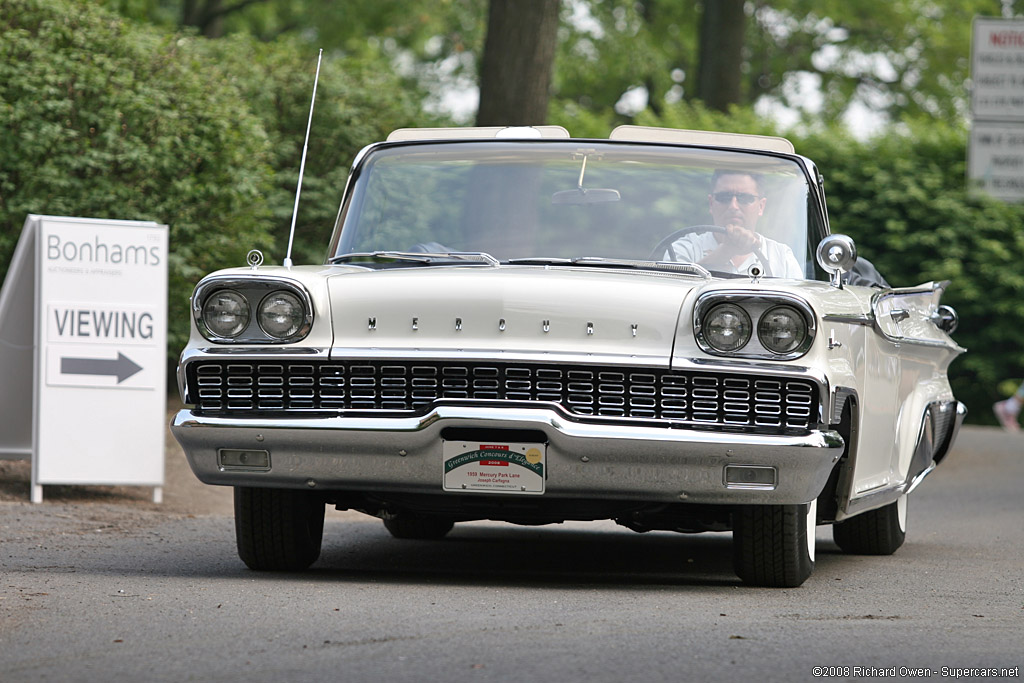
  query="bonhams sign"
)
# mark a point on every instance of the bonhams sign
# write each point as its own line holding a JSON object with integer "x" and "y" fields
{"x": 85, "y": 307}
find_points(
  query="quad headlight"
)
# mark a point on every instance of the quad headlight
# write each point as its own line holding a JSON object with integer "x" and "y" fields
{"x": 727, "y": 327}
{"x": 280, "y": 314}
{"x": 255, "y": 310}
{"x": 748, "y": 325}
{"x": 781, "y": 329}
{"x": 226, "y": 313}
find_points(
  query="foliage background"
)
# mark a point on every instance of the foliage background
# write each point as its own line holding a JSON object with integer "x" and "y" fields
{"x": 104, "y": 118}
{"x": 107, "y": 116}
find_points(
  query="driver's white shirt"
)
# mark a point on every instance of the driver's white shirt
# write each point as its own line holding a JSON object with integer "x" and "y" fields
{"x": 694, "y": 247}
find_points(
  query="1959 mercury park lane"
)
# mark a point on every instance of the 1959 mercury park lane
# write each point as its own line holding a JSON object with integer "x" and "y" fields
{"x": 516, "y": 325}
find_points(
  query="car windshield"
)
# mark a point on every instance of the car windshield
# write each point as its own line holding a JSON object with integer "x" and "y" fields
{"x": 550, "y": 202}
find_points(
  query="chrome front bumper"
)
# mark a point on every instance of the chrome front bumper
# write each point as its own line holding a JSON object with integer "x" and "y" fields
{"x": 595, "y": 461}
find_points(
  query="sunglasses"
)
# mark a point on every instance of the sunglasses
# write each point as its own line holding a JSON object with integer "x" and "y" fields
{"x": 744, "y": 198}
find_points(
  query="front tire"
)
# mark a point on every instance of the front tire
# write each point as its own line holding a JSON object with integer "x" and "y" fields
{"x": 278, "y": 529}
{"x": 875, "y": 532}
{"x": 773, "y": 545}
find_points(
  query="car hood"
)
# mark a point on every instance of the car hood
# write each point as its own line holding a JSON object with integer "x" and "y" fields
{"x": 525, "y": 311}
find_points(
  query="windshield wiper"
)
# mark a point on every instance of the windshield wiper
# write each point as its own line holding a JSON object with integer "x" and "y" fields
{"x": 601, "y": 262}
{"x": 674, "y": 266}
{"x": 540, "y": 261}
{"x": 423, "y": 257}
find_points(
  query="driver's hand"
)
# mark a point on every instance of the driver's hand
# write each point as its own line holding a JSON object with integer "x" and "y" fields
{"x": 741, "y": 240}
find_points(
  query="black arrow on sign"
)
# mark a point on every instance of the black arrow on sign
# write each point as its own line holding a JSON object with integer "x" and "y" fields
{"x": 124, "y": 367}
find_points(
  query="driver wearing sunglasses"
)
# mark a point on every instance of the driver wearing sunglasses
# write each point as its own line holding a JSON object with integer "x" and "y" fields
{"x": 736, "y": 202}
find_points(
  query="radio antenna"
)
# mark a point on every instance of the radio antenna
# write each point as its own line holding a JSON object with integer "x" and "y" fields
{"x": 302, "y": 164}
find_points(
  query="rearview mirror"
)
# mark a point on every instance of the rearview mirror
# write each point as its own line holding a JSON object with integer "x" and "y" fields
{"x": 582, "y": 195}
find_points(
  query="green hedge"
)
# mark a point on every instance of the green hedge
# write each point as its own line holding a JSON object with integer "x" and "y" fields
{"x": 106, "y": 119}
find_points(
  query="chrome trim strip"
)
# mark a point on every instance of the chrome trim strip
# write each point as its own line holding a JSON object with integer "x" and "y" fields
{"x": 927, "y": 288}
{"x": 828, "y": 439}
{"x": 271, "y": 353}
{"x": 916, "y": 481}
{"x": 496, "y": 355}
{"x": 876, "y": 499}
{"x": 851, "y": 319}
{"x": 923, "y": 342}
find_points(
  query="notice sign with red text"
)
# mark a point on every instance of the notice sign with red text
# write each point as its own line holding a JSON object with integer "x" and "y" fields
{"x": 997, "y": 69}
{"x": 995, "y": 152}
{"x": 494, "y": 467}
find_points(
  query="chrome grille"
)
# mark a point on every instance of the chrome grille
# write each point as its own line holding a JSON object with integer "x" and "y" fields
{"x": 412, "y": 386}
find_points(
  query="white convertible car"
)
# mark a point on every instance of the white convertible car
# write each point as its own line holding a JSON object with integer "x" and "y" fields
{"x": 512, "y": 324}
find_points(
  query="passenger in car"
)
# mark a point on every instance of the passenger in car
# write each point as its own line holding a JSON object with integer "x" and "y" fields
{"x": 736, "y": 203}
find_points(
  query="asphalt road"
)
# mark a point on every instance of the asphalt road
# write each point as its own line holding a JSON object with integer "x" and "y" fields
{"x": 102, "y": 585}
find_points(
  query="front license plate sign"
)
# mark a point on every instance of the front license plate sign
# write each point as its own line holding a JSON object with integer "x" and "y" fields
{"x": 494, "y": 467}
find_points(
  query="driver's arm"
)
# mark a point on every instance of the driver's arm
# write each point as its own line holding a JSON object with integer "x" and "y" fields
{"x": 737, "y": 241}
{"x": 685, "y": 250}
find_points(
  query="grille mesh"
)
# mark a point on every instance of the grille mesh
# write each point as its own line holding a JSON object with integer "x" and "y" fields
{"x": 412, "y": 386}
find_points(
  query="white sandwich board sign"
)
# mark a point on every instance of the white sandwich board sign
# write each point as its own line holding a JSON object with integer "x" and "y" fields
{"x": 83, "y": 339}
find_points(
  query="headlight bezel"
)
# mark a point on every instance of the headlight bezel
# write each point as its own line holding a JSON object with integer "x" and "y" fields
{"x": 254, "y": 290}
{"x": 756, "y": 305}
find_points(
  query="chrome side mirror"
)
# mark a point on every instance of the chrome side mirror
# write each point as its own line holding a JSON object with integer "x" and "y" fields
{"x": 837, "y": 254}
{"x": 946, "y": 319}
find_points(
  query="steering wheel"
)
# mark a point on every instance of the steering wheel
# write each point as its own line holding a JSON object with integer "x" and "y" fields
{"x": 663, "y": 246}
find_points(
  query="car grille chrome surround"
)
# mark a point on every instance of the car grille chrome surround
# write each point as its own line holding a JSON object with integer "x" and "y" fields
{"x": 410, "y": 387}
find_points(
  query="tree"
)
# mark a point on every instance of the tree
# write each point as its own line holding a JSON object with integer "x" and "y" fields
{"x": 720, "y": 59}
{"x": 515, "y": 73}
{"x": 822, "y": 58}
{"x": 105, "y": 118}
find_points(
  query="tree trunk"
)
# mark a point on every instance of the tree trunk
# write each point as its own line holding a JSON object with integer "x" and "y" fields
{"x": 720, "y": 59}
{"x": 515, "y": 74}
{"x": 208, "y": 15}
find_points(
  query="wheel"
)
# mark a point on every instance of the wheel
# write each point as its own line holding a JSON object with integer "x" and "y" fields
{"x": 663, "y": 246}
{"x": 278, "y": 529}
{"x": 875, "y": 532}
{"x": 773, "y": 545}
{"x": 413, "y": 526}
